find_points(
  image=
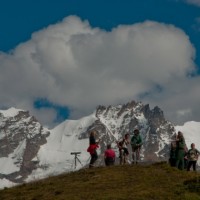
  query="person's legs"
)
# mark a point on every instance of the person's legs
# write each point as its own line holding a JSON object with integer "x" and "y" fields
{"x": 126, "y": 154}
{"x": 109, "y": 161}
{"x": 194, "y": 165}
{"x": 112, "y": 162}
{"x": 189, "y": 165}
{"x": 137, "y": 154}
{"x": 182, "y": 163}
{"x": 133, "y": 154}
{"x": 94, "y": 157}
{"x": 177, "y": 163}
{"x": 180, "y": 160}
{"x": 185, "y": 163}
{"x": 124, "y": 158}
{"x": 121, "y": 156}
{"x": 172, "y": 162}
{"x": 91, "y": 161}
{"x": 106, "y": 161}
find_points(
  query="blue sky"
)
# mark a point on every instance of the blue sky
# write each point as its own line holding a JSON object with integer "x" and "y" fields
{"x": 25, "y": 27}
{"x": 19, "y": 19}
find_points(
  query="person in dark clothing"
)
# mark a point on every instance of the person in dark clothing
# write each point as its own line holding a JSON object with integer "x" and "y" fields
{"x": 185, "y": 158}
{"x": 92, "y": 139}
{"x": 109, "y": 156}
{"x": 180, "y": 151}
{"x": 172, "y": 157}
{"x": 93, "y": 145}
{"x": 192, "y": 156}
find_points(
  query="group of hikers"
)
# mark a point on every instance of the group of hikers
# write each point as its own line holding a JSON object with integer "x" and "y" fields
{"x": 179, "y": 157}
{"x": 109, "y": 154}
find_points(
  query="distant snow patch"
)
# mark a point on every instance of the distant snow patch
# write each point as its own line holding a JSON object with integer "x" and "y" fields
{"x": 11, "y": 112}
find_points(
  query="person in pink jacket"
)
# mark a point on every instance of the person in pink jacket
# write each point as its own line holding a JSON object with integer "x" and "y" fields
{"x": 109, "y": 156}
{"x": 93, "y": 145}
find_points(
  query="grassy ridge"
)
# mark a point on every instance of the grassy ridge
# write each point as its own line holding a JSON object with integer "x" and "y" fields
{"x": 157, "y": 181}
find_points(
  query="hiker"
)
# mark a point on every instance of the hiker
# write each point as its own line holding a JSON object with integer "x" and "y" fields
{"x": 109, "y": 156}
{"x": 172, "y": 156}
{"x": 180, "y": 151}
{"x": 136, "y": 143}
{"x": 93, "y": 145}
{"x": 192, "y": 156}
{"x": 123, "y": 149}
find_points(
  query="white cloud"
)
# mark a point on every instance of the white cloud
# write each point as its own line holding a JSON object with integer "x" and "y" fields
{"x": 73, "y": 64}
{"x": 195, "y": 2}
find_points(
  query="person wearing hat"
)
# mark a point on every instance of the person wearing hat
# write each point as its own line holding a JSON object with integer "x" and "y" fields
{"x": 136, "y": 143}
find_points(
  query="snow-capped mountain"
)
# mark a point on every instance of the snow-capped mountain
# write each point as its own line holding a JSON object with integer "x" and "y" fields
{"x": 156, "y": 132}
{"x": 55, "y": 156}
{"x": 21, "y": 136}
{"x": 29, "y": 151}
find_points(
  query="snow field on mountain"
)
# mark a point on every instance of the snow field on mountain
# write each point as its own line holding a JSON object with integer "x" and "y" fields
{"x": 55, "y": 156}
{"x": 11, "y": 112}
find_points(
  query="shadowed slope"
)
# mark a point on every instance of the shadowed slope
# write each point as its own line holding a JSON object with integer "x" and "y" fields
{"x": 157, "y": 181}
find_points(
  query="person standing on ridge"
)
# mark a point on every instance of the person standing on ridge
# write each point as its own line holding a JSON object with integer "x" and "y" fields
{"x": 123, "y": 149}
{"x": 109, "y": 156}
{"x": 136, "y": 143}
{"x": 180, "y": 151}
{"x": 172, "y": 156}
{"x": 192, "y": 156}
{"x": 93, "y": 145}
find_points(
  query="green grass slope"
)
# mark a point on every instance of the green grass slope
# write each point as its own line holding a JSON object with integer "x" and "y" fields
{"x": 139, "y": 182}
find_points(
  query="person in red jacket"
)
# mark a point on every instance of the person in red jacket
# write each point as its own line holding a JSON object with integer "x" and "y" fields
{"x": 93, "y": 145}
{"x": 109, "y": 156}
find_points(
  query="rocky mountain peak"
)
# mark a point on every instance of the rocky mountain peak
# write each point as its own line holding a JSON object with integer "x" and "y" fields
{"x": 114, "y": 121}
{"x": 21, "y": 136}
